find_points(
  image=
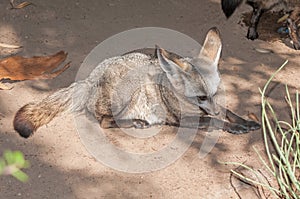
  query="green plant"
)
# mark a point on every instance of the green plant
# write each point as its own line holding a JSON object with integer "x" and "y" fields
{"x": 282, "y": 145}
{"x": 285, "y": 162}
{"x": 11, "y": 163}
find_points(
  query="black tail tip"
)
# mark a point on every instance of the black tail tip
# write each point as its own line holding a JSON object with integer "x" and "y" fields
{"x": 229, "y": 6}
{"x": 24, "y": 131}
{"x": 22, "y": 125}
{"x": 228, "y": 12}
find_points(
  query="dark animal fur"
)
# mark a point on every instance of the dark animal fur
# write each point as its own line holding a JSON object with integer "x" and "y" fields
{"x": 21, "y": 123}
{"x": 261, "y": 6}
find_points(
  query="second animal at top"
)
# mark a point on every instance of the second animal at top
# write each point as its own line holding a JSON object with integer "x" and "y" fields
{"x": 261, "y": 6}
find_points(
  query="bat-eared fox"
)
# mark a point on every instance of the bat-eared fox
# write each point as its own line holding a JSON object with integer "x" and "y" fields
{"x": 140, "y": 90}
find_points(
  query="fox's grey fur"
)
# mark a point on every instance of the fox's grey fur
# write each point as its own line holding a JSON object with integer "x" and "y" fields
{"x": 138, "y": 90}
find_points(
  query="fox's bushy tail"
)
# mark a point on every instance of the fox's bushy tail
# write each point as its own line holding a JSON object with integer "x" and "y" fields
{"x": 34, "y": 115}
{"x": 229, "y": 6}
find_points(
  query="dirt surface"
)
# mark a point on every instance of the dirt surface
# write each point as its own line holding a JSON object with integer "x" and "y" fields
{"x": 61, "y": 167}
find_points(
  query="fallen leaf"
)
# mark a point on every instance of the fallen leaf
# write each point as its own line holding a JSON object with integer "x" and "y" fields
{"x": 5, "y": 87}
{"x": 19, "y": 6}
{"x": 283, "y": 18}
{"x": 263, "y": 50}
{"x": 253, "y": 117}
{"x": 3, "y": 45}
{"x": 42, "y": 67}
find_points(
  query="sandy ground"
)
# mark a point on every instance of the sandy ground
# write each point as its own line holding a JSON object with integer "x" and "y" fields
{"x": 61, "y": 167}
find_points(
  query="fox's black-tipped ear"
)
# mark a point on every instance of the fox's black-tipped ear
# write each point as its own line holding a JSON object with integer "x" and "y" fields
{"x": 162, "y": 55}
{"x": 164, "y": 62}
{"x": 212, "y": 47}
{"x": 229, "y": 6}
{"x": 170, "y": 64}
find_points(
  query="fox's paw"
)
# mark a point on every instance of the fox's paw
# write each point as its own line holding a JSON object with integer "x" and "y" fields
{"x": 252, "y": 34}
{"x": 140, "y": 124}
{"x": 252, "y": 125}
{"x": 235, "y": 128}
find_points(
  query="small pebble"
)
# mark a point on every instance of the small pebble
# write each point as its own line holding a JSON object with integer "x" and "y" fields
{"x": 283, "y": 30}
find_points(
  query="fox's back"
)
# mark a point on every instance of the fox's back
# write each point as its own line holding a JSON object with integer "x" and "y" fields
{"x": 130, "y": 81}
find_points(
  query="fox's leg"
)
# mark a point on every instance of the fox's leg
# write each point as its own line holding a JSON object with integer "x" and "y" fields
{"x": 206, "y": 121}
{"x": 234, "y": 118}
{"x": 236, "y": 128}
{"x": 256, "y": 14}
{"x": 110, "y": 122}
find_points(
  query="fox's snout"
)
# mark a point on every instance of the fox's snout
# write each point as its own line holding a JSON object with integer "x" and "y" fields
{"x": 210, "y": 107}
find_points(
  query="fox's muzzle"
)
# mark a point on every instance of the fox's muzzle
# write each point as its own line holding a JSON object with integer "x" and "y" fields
{"x": 210, "y": 107}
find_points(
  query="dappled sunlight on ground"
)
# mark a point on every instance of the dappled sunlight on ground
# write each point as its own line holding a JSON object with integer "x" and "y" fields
{"x": 61, "y": 167}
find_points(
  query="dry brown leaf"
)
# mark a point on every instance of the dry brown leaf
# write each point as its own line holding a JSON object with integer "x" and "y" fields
{"x": 253, "y": 117}
{"x": 283, "y": 18}
{"x": 263, "y": 50}
{"x": 22, "y": 5}
{"x": 19, "y": 6}
{"x": 5, "y": 87}
{"x": 3, "y": 45}
{"x": 43, "y": 67}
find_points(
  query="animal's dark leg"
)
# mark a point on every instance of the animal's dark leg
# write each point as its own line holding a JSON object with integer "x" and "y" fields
{"x": 252, "y": 30}
{"x": 110, "y": 122}
{"x": 234, "y": 118}
{"x": 206, "y": 122}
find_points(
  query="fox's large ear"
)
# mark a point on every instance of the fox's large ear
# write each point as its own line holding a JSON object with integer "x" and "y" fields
{"x": 212, "y": 46}
{"x": 168, "y": 64}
